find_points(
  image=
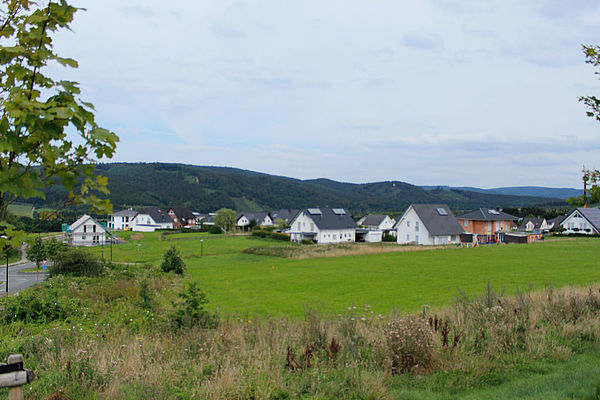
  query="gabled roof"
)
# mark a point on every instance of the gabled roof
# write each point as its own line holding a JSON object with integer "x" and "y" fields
{"x": 326, "y": 218}
{"x": 126, "y": 213}
{"x": 286, "y": 214}
{"x": 372, "y": 219}
{"x": 537, "y": 222}
{"x": 84, "y": 218}
{"x": 435, "y": 221}
{"x": 487, "y": 214}
{"x": 182, "y": 212}
{"x": 592, "y": 215}
{"x": 159, "y": 216}
{"x": 259, "y": 216}
{"x": 557, "y": 221}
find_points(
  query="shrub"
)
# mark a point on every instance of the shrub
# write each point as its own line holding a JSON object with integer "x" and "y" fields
{"x": 75, "y": 262}
{"x": 54, "y": 248}
{"x": 172, "y": 261}
{"x": 388, "y": 238}
{"x": 190, "y": 311}
{"x": 215, "y": 230}
{"x": 35, "y": 306}
{"x": 410, "y": 341}
{"x": 260, "y": 233}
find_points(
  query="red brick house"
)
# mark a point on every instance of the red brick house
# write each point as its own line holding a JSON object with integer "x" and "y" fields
{"x": 181, "y": 216}
{"x": 487, "y": 223}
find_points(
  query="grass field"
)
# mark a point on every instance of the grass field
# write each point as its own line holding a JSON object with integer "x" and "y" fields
{"x": 21, "y": 210}
{"x": 249, "y": 284}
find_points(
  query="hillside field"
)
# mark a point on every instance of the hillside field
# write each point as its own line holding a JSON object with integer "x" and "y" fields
{"x": 406, "y": 281}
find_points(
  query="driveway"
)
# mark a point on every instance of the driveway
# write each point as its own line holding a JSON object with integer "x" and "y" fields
{"x": 18, "y": 280}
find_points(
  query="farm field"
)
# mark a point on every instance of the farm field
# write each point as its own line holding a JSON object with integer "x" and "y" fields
{"x": 249, "y": 284}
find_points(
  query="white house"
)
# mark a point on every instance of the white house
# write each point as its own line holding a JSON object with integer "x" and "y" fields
{"x": 376, "y": 222}
{"x": 323, "y": 225}
{"x": 121, "y": 220}
{"x": 372, "y": 227}
{"x": 582, "y": 220}
{"x": 535, "y": 225}
{"x": 261, "y": 218}
{"x": 151, "y": 219}
{"x": 86, "y": 231}
{"x": 428, "y": 224}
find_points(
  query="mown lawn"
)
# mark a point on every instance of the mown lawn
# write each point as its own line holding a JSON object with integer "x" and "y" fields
{"x": 249, "y": 284}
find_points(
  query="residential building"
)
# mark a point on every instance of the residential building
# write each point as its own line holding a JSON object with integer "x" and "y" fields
{"x": 181, "y": 216}
{"x": 323, "y": 225}
{"x": 486, "y": 223}
{"x": 428, "y": 224}
{"x": 261, "y": 218}
{"x": 286, "y": 214}
{"x": 530, "y": 224}
{"x": 151, "y": 219}
{"x": 86, "y": 231}
{"x": 582, "y": 220}
{"x": 121, "y": 220}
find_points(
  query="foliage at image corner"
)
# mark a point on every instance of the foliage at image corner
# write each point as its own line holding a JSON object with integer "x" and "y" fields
{"x": 35, "y": 150}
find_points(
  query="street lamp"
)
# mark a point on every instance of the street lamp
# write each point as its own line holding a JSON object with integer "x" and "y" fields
{"x": 201, "y": 247}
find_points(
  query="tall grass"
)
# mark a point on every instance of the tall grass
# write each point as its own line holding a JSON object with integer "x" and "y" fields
{"x": 116, "y": 340}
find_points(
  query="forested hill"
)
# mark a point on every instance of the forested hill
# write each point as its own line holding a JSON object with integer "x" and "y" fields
{"x": 207, "y": 189}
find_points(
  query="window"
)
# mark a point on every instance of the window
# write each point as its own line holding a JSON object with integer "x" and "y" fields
{"x": 466, "y": 223}
{"x": 408, "y": 224}
{"x": 83, "y": 237}
{"x": 93, "y": 228}
{"x": 95, "y": 240}
{"x": 334, "y": 237}
{"x": 312, "y": 226}
{"x": 417, "y": 239}
{"x": 417, "y": 226}
{"x": 408, "y": 237}
{"x": 489, "y": 226}
{"x": 84, "y": 228}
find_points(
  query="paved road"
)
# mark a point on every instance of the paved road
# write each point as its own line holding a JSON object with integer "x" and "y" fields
{"x": 18, "y": 280}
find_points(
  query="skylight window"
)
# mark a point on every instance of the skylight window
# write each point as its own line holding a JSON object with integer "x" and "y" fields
{"x": 314, "y": 211}
{"x": 494, "y": 212}
{"x": 338, "y": 211}
{"x": 442, "y": 211}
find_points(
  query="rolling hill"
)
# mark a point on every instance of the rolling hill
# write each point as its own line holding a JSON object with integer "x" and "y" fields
{"x": 206, "y": 189}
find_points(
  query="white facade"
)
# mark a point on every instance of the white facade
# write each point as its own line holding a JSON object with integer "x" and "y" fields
{"x": 122, "y": 220}
{"x": 145, "y": 223}
{"x": 530, "y": 226}
{"x": 576, "y": 223}
{"x": 86, "y": 232}
{"x": 303, "y": 227}
{"x": 244, "y": 221}
{"x": 373, "y": 236}
{"x": 411, "y": 230}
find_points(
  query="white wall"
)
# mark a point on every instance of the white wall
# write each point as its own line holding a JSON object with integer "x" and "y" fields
{"x": 411, "y": 229}
{"x": 373, "y": 236}
{"x": 336, "y": 236}
{"x": 386, "y": 224}
{"x": 575, "y": 220}
{"x": 88, "y": 234}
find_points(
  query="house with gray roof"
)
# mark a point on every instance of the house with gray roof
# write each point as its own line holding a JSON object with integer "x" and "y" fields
{"x": 323, "y": 225}
{"x": 286, "y": 214}
{"x": 151, "y": 219}
{"x": 181, "y": 217}
{"x": 428, "y": 224}
{"x": 260, "y": 218}
{"x": 582, "y": 220}
{"x": 554, "y": 223}
{"x": 530, "y": 224}
{"x": 121, "y": 220}
{"x": 488, "y": 224}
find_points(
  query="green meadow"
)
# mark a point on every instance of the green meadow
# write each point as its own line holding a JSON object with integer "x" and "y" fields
{"x": 236, "y": 282}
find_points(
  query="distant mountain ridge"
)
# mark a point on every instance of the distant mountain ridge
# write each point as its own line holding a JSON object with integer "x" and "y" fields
{"x": 535, "y": 191}
{"x": 207, "y": 189}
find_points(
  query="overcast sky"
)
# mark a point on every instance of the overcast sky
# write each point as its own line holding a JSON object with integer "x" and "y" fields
{"x": 457, "y": 92}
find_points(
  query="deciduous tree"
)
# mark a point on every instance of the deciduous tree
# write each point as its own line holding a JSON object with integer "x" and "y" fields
{"x": 226, "y": 219}
{"x": 48, "y": 134}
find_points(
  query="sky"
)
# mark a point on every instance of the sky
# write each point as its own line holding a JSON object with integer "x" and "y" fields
{"x": 449, "y": 92}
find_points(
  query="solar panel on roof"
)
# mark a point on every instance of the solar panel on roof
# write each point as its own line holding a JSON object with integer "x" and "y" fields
{"x": 493, "y": 212}
{"x": 338, "y": 211}
{"x": 442, "y": 211}
{"x": 314, "y": 211}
